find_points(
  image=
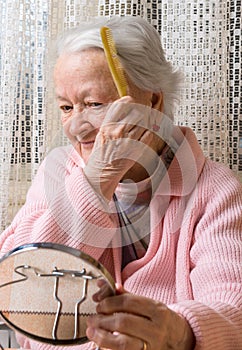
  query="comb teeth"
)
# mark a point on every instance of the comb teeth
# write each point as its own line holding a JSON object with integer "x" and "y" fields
{"x": 114, "y": 64}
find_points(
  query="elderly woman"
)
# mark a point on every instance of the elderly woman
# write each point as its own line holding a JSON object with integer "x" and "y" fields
{"x": 136, "y": 192}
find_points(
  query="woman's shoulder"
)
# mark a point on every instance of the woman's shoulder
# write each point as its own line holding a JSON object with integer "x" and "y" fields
{"x": 218, "y": 172}
{"x": 217, "y": 180}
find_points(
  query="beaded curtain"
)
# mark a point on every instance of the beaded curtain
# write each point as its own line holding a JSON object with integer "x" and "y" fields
{"x": 202, "y": 37}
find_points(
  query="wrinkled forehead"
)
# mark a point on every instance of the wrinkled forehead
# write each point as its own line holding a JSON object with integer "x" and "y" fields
{"x": 89, "y": 61}
{"x": 92, "y": 56}
{"x": 82, "y": 74}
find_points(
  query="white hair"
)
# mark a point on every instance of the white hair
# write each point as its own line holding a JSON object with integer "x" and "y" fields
{"x": 139, "y": 49}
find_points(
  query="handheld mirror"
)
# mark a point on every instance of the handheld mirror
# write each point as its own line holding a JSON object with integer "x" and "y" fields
{"x": 46, "y": 292}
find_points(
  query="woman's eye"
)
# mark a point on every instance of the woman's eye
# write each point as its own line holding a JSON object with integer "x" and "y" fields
{"x": 66, "y": 109}
{"x": 94, "y": 105}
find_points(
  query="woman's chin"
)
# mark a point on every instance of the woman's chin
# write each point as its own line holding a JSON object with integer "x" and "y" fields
{"x": 86, "y": 150}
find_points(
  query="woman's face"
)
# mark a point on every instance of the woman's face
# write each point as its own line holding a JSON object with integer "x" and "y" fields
{"x": 84, "y": 86}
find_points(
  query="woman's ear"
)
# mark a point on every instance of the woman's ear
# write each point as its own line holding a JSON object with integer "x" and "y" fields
{"x": 157, "y": 101}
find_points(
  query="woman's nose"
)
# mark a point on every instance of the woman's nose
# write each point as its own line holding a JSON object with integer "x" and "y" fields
{"x": 77, "y": 123}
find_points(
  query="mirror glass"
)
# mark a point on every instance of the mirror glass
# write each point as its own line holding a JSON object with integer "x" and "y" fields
{"x": 46, "y": 291}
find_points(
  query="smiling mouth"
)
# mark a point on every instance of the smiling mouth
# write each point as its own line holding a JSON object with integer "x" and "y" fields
{"x": 87, "y": 143}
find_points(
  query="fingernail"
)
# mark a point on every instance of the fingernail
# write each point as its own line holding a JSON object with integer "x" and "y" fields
{"x": 90, "y": 332}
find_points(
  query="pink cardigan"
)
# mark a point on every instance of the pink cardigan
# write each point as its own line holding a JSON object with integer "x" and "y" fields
{"x": 194, "y": 259}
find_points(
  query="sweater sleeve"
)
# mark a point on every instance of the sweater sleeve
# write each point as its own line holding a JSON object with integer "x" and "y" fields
{"x": 212, "y": 303}
{"x": 61, "y": 207}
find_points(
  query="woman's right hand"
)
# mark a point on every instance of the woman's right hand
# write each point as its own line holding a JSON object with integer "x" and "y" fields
{"x": 124, "y": 139}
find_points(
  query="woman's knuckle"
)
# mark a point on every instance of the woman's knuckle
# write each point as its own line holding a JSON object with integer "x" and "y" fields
{"x": 157, "y": 310}
{"x": 125, "y": 301}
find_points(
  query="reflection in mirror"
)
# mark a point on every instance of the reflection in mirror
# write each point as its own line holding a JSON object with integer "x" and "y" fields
{"x": 46, "y": 291}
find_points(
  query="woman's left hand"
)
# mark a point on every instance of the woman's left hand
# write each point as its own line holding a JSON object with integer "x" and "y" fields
{"x": 130, "y": 322}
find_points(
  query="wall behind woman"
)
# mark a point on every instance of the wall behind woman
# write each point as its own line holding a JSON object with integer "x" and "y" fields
{"x": 202, "y": 37}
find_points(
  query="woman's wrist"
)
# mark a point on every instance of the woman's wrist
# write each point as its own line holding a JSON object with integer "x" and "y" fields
{"x": 188, "y": 341}
{"x": 181, "y": 334}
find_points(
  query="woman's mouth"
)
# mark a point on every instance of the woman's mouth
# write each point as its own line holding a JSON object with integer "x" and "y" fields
{"x": 87, "y": 144}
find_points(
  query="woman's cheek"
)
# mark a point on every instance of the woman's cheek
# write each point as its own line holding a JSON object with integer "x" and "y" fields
{"x": 64, "y": 119}
{"x": 66, "y": 128}
{"x": 95, "y": 119}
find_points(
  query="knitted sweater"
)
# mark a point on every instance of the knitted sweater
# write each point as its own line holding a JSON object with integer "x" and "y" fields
{"x": 193, "y": 262}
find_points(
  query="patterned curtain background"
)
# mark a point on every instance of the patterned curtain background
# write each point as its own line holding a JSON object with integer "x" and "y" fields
{"x": 202, "y": 37}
